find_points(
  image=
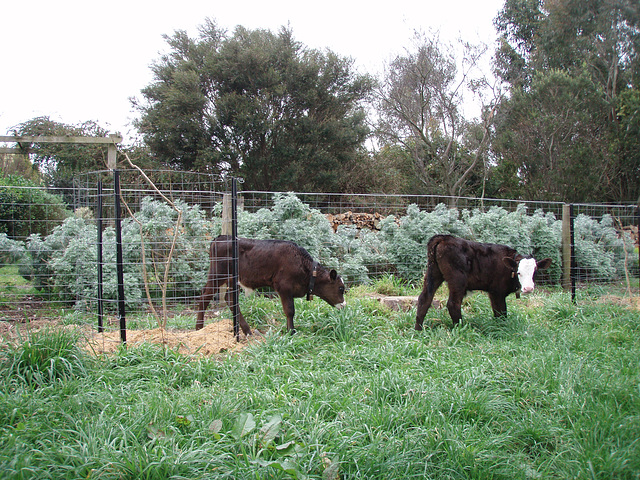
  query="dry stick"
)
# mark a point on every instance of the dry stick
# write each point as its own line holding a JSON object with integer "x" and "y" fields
{"x": 163, "y": 286}
{"x": 144, "y": 259}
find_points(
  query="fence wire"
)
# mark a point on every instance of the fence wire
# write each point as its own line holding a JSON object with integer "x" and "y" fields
{"x": 48, "y": 249}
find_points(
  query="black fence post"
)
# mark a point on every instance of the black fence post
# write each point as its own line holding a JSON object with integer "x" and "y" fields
{"x": 638, "y": 224}
{"x": 235, "y": 307}
{"x": 119, "y": 261}
{"x": 573, "y": 254}
{"x": 99, "y": 259}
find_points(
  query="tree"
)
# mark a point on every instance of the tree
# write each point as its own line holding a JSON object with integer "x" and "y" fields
{"x": 59, "y": 162}
{"x": 582, "y": 44}
{"x": 419, "y": 107}
{"x": 552, "y": 137}
{"x": 255, "y": 104}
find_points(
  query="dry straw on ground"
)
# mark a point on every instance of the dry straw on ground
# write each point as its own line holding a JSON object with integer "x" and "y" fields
{"x": 213, "y": 339}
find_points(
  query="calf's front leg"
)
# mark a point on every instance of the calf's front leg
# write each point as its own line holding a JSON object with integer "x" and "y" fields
{"x": 289, "y": 308}
{"x": 498, "y": 304}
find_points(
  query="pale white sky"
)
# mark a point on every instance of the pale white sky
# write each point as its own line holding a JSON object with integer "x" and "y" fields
{"x": 79, "y": 60}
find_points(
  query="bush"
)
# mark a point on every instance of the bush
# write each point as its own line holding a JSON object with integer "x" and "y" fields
{"x": 599, "y": 250}
{"x": 65, "y": 262}
{"x": 11, "y": 251}
{"x": 291, "y": 219}
{"x": 405, "y": 239}
{"x": 26, "y": 208}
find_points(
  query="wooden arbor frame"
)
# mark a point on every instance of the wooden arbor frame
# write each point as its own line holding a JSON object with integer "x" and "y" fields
{"x": 25, "y": 141}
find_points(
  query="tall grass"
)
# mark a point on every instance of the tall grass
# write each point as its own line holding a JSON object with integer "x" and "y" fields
{"x": 552, "y": 391}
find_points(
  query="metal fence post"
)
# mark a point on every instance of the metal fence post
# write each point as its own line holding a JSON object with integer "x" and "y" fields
{"x": 119, "y": 261}
{"x": 638, "y": 224}
{"x": 566, "y": 247}
{"x": 573, "y": 255}
{"x": 99, "y": 259}
{"x": 568, "y": 251}
{"x": 235, "y": 307}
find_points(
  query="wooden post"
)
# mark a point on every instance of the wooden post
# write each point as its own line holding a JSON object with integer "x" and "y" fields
{"x": 226, "y": 214}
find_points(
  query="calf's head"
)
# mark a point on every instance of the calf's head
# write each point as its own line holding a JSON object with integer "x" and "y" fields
{"x": 330, "y": 287}
{"x": 525, "y": 269}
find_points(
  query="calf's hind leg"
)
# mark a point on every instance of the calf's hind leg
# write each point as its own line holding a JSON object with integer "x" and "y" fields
{"x": 432, "y": 281}
{"x": 228, "y": 297}
{"x": 208, "y": 292}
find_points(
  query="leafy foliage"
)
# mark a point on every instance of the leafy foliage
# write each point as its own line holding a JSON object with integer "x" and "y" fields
{"x": 44, "y": 357}
{"x": 566, "y": 130}
{"x": 64, "y": 262}
{"x": 255, "y": 104}
{"x": 28, "y": 209}
{"x": 419, "y": 104}
{"x": 59, "y": 162}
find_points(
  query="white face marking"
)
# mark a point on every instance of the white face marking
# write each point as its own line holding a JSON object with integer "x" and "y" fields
{"x": 526, "y": 269}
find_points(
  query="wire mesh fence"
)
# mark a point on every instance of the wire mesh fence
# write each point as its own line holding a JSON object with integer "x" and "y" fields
{"x": 49, "y": 250}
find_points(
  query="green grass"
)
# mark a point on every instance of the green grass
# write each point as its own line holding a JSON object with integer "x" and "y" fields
{"x": 552, "y": 391}
{"x": 12, "y": 285}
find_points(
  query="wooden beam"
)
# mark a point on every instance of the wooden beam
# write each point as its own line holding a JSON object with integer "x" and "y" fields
{"x": 62, "y": 139}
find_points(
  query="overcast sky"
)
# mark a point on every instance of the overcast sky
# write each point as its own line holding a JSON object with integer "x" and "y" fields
{"x": 82, "y": 60}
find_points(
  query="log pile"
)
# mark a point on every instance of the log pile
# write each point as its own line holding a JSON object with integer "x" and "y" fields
{"x": 370, "y": 221}
{"x": 633, "y": 232}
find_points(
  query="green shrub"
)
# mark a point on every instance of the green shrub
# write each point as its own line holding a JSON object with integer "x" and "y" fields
{"x": 405, "y": 239}
{"x": 599, "y": 250}
{"x": 11, "y": 251}
{"x": 291, "y": 219}
{"x": 26, "y": 208}
{"x": 64, "y": 262}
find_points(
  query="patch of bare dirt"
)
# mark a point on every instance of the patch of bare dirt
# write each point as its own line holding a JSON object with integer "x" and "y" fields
{"x": 632, "y": 302}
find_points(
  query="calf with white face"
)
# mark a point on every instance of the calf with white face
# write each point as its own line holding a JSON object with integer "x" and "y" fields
{"x": 466, "y": 266}
{"x": 526, "y": 268}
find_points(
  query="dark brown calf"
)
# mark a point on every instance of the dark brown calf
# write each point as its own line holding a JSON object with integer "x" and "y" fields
{"x": 282, "y": 265}
{"x": 465, "y": 265}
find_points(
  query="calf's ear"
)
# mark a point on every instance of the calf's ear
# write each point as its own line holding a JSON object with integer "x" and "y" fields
{"x": 333, "y": 274}
{"x": 510, "y": 263}
{"x": 544, "y": 264}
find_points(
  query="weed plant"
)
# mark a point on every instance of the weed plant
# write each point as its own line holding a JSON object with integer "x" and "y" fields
{"x": 551, "y": 391}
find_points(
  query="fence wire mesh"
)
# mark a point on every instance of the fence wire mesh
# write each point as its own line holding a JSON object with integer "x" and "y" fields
{"x": 49, "y": 243}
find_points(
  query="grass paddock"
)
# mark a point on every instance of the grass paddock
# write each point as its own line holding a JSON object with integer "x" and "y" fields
{"x": 550, "y": 391}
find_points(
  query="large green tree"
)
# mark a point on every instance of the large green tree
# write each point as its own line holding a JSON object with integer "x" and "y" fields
{"x": 587, "y": 54}
{"x": 258, "y": 105}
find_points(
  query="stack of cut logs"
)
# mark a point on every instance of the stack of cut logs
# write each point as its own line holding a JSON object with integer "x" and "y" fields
{"x": 360, "y": 220}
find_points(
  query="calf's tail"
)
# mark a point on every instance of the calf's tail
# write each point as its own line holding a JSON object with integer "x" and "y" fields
{"x": 431, "y": 262}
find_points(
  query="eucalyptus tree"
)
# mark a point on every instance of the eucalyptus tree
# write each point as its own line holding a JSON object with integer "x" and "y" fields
{"x": 589, "y": 49}
{"x": 420, "y": 109}
{"x": 255, "y": 104}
